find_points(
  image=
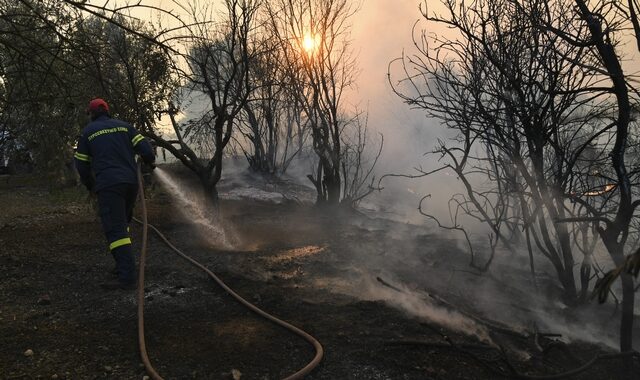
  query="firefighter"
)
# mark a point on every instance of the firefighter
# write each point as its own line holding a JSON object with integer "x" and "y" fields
{"x": 106, "y": 164}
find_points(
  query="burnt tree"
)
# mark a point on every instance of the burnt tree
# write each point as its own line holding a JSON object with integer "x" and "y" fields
{"x": 318, "y": 58}
{"x": 526, "y": 83}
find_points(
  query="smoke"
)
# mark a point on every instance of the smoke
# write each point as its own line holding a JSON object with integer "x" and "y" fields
{"x": 363, "y": 286}
{"x": 381, "y": 32}
{"x": 432, "y": 278}
{"x": 419, "y": 305}
{"x": 418, "y": 261}
{"x": 425, "y": 255}
{"x": 506, "y": 293}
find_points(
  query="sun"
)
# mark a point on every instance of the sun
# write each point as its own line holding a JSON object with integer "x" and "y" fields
{"x": 309, "y": 43}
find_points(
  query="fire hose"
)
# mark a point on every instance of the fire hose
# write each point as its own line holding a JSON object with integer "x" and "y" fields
{"x": 140, "y": 298}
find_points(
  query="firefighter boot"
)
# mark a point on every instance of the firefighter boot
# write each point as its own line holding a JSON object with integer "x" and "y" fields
{"x": 125, "y": 267}
{"x": 113, "y": 272}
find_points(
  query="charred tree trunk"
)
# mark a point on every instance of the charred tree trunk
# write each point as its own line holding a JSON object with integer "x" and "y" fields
{"x": 221, "y": 139}
{"x": 616, "y": 251}
{"x": 628, "y": 304}
{"x": 587, "y": 262}
{"x": 332, "y": 185}
{"x": 209, "y": 188}
{"x": 548, "y": 198}
{"x": 317, "y": 183}
{"x": 256, "y": 158}
{"x": 616, "y": 233}
{"x": 264, "y": 140}
{"x": 327, "y": 183}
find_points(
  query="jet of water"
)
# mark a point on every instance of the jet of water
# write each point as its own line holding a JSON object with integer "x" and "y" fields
{"x": 205, "y": 220}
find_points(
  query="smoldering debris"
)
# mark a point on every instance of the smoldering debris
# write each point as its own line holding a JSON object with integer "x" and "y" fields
{"x": 422, "y": 306}
{"x": 297, "y": 253}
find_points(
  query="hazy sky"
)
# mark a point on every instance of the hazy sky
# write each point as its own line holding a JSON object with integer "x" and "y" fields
{"x": 381, "y": 30}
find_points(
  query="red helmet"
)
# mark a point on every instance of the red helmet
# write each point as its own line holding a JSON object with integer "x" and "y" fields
{"x": 97, "y": 105}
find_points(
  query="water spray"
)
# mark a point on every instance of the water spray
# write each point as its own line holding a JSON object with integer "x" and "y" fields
{"x": 206, "y": 222}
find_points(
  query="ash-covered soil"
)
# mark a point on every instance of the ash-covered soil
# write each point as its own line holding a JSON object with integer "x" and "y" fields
{"x": 321, "y": 271}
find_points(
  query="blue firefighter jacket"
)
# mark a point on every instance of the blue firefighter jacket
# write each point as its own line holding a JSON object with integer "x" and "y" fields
{"x": 107, "y": 148}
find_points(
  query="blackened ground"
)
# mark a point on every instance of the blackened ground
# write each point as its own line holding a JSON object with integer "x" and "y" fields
{"x": 56, "y": 322}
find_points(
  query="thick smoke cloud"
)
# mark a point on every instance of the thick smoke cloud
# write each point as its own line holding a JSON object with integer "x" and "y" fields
{"x": 382, "y": 31}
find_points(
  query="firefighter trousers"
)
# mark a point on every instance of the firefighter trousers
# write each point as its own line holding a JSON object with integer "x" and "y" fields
{"x": 116, "y": 210}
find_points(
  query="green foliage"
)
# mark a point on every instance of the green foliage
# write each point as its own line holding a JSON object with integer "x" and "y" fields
{"x": 131, "y": 73}
{"x": 55, "y": 59}
{"x": 37, "y": 104}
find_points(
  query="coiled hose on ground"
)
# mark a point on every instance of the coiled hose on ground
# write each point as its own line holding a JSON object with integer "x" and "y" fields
{"x": 140, "y": 298}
